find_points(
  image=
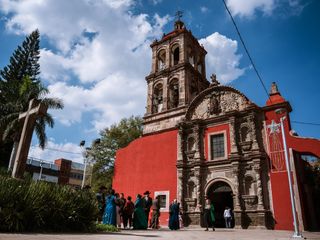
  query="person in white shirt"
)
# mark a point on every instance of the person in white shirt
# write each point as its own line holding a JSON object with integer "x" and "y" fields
{"x": 227, "y": 217}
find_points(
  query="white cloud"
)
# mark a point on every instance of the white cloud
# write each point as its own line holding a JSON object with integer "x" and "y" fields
{"x": 204, "y": 9}
{"x": 156, "y": 2}
{"x": 55, "y": 151}
{"x": 101, "y": 55}
{"x": 222, "y": 57}
{"x": 248, "y": 8}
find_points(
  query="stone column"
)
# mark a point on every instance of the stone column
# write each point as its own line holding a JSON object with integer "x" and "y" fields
{"x": 149, "y": 98}
{"x": 197, "y": 136}
{"x": 165, "y": 94}
{"x": 236, "y": 172}
{"x": 234, "y": 148}
{"x": 180, "y": 145}
{"x": 180, "y": 188}
{"x": 257, "y": 169}
{"x": 168, "y": 57}
{"x": 197, "y": 174}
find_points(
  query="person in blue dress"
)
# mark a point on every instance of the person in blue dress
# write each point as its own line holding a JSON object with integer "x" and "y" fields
{"x": 174, "y": 210}
{"x": 110, "y": 216}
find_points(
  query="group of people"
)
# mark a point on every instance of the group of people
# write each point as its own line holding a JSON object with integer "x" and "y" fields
{"x": 114, "y": 208}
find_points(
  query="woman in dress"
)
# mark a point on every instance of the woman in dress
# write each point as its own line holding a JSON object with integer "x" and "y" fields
{"x": 174, "y": 215}
{"x": 139, "y": 216}
{"x": 208, "y": 215}
{"x": 110, "y": 214}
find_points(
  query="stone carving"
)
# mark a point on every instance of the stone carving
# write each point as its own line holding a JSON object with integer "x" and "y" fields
{"x": 218, "y": 103}
{"x": 214, "y": 81}
{"x": 214, "y": 104}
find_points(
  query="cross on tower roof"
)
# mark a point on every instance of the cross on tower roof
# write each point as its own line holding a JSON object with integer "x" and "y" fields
{"x": 178, "y": 15}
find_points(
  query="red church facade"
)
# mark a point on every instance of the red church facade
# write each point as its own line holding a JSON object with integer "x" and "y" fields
{"x": 205, "y": 139}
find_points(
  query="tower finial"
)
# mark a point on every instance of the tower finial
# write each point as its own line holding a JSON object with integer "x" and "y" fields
{"x": 178, "y": 15}
{"x": 178, "y": 24}
{"x": 274, "y": 89}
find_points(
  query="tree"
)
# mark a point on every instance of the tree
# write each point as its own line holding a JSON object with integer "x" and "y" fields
{"x": 103, "y": 152}
{"x": 19, "y": 83}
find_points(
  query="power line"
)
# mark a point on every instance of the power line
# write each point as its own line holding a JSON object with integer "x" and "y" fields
{"x": 245, "y": 48}
{"x": 57, "y": 150}
{"x": 306, "y": 123}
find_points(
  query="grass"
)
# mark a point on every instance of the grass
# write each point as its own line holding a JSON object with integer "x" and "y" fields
{"x": 106, "y": 228}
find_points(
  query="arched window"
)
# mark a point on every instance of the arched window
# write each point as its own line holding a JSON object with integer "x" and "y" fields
{"x": 175, "y": 55}
{"x": 161, "y": 60}
{"x": 191, "y": 57}
{"x": 173, "y": 94}
{"x": 157, "y": 100}
{"x": 249, "y": 187}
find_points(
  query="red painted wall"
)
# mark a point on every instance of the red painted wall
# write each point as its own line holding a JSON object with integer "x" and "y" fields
{"x": 279, "y": 179}
{"x": 148, "y": 163}
{"x": 216, "y": 129}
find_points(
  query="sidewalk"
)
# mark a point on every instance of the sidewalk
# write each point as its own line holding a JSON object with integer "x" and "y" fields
{"x": 165, "y": 234}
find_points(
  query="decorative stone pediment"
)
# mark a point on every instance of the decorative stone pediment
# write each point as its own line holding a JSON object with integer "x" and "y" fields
{"x": 216, "y": 101}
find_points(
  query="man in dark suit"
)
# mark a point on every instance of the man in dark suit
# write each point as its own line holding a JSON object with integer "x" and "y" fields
{"x": 147, "y": 203}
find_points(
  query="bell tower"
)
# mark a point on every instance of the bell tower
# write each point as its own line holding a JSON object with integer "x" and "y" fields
{"x": 177, "y": 75}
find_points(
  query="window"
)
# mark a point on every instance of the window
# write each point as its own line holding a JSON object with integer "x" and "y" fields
{"x": 175, "y": 55}
{"x": 173, "y": 94}
{"x": 217, "y": 146}
{"x": 163, "y": 200}
{"x": 161, "y": 60}
{"x": 157, "y": 99}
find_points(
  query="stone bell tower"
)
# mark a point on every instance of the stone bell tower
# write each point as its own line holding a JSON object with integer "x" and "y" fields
{"x": 178, "y": 74}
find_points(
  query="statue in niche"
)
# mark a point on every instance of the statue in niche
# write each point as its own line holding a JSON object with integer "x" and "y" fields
{"x": 214, "y": 104}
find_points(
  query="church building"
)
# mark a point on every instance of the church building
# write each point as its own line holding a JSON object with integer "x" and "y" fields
{"x": 201, "y": 138}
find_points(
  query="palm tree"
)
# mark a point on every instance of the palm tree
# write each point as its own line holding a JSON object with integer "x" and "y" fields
{"x": 19, "y": 83}
{"x": 10, "y": 124}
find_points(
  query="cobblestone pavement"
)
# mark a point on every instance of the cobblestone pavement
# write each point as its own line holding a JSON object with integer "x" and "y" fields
{"x": 165, "y": 234}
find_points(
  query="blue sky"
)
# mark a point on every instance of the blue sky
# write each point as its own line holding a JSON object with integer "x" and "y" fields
{"x": 95, "y": 55}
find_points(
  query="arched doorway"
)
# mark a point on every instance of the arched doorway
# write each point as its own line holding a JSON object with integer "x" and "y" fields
{"x": 220, "y": 194}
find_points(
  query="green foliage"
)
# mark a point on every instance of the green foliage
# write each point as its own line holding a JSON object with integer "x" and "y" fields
{"x": 19, "y": 83}
{"x": 41, "y": 206}
{"x": 106, "y": 228}
{"x": 113, "y": 138}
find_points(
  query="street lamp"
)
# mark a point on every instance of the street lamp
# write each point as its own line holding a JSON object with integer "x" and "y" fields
{"x": 82, "y": 143}
{"x": 296, "y": 234}
{"x": 41, "y": 167}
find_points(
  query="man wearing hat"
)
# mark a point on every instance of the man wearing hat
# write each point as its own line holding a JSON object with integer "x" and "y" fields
{"x": 147, "y": 203}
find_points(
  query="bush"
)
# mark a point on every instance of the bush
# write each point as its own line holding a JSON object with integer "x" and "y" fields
{"x": 106, "y": 228}
{"x": 41, "y": 206}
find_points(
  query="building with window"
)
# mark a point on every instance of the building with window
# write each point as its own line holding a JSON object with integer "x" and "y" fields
{"x": 201, "y": 138}
{"x": 61, "y": 171}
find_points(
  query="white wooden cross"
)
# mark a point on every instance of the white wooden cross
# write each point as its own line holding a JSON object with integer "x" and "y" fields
{"x": 35, "y": 109}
